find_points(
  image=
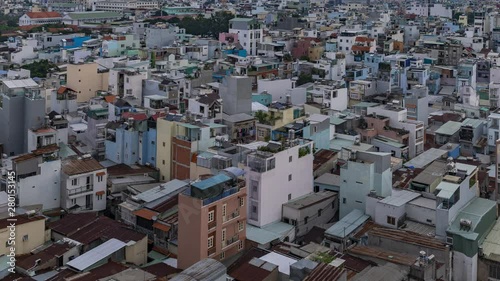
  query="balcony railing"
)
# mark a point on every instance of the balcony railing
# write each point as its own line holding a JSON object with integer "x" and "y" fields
{"x": 224, "y": 194}
{"x": 232, "y": 240}
{"x": 211, "y": 251}
{"x": 80, "y": 190}
{"x": 212, "y": 225}
{"x": 232, "y": 216}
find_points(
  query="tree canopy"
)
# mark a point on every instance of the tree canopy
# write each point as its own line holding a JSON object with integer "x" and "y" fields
{"x": 211, "y": 27}
{"x": 40, "y": 68}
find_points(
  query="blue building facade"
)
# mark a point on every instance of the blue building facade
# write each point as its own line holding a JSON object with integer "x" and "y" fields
{"x": 148, "y": 147}
{"x": 122, "y": 145}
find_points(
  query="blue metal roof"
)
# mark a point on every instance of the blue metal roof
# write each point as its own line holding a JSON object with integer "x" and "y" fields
{"x": 213, "y": 181}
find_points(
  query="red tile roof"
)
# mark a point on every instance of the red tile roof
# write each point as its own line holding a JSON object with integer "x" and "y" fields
{"x": 43, "y": 15}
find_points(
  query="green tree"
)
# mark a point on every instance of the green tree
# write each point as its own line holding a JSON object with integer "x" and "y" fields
{"x": 304, "y": 78}
{"x": 40, "y": 68}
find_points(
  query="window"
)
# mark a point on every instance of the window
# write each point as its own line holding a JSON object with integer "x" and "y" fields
{"x": 306, "y": 219}
{"x": 290, "y": 159}
{"x": 211, "y": 215}
{"x": 73, "y": 201}
{"x": 391, "y": 220}
{"x": 343, "y": 200}
{"x": 319, "y": 212}
{"x": 210, "y": 242}
{"x": 25, "y": 237}
{"x": 163, "y": 144}
{"x": 222, "y": 255}
{"x": 224, "y": 210}
{"x": 289, "y": 177}
{"x": 240, "y": 245}
{"x": 289, "y": 196}
{"x": 163, "y": 162}
{"x": 99, "y": 197}
{"x": 99, "y": 178}
{"x": 241, "y": 226}
{"x": 74, "y": 181}
{"x": 242, "y": 201}
{"x": 223, "y": 235}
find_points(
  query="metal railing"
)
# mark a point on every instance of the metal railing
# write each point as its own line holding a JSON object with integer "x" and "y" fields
{"x": 80, "y": 190}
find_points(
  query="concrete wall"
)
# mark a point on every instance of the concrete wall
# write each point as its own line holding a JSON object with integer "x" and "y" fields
{"x": 464, "y": 267}
{"x": 42, "y": 188}
{"x": 236, "y": 93}
{"x": 31, "y": 231}
{"x": 328, "y": 209}
{"x": 138, "y": 252}
{"x": 86, "y": 81}
{"x": 17, "y": 115}
{"x": 274, "y": 187}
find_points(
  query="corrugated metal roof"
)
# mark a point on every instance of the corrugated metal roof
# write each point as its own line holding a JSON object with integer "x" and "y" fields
{"x": 400, "y": 198}
{"x": 97, "y": 254}
{"x": 78, "y": 165}
{"x": 491, "y": 245}
{"x": 162, "y": 190}
{"x": 20, "y": 83}
{"x": 474, "y": 211}
{"x": 204, "y": 270}
{"x": 347, "y": 224}
{"x": 473, "y": 122}
{"x": 449, "y": 128}
{"x": 145, "y": 213}
{"x": 446, "y": 189}
{"x": 260, "y": 236}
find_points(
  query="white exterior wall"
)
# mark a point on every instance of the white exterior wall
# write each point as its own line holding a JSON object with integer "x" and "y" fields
{"x": 194, "y": 106}
{"x": 355, "y": 183}
{"x": 273, "y": 186}
{"x": 464, "y": 267}
{"x": 327, "y": 213}
{"x": 340, "y": 102}
{"x": 245, "y": 41}
{"x": 98, "y": 205}
{"x": 43, "y": 188}
{"x": 416, "y": 146}
{"x": 394, "y": 116}
{"x": 421, "y": 214}
{"x": 382, "y": 211}
{"x": 276, "y": 88}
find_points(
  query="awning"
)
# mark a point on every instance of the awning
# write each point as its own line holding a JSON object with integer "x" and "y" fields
{"x": 162, "y": 227}
{"x": 100, "y": 193}
{"x": 100, "y": 174}
{"x": 145, "y": 213}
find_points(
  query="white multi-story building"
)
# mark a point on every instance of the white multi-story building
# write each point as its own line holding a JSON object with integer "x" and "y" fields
{"x": 276, "y": 175}
{"x": 249, "y": 33}
{"x": 398, "y": 117}
{"x": 361, "y": 174}
{"x": 38, "y": 178}
{"x": 126, "y": 83}
{"x": 83, "y": 184}
{"x": 119, "y": 6}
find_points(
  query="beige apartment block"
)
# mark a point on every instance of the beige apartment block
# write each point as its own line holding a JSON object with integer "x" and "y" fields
{"x": 86, "y": 79}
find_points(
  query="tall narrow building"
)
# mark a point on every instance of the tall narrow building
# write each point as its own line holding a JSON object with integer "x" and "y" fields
{"x": 212, "y": 217}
